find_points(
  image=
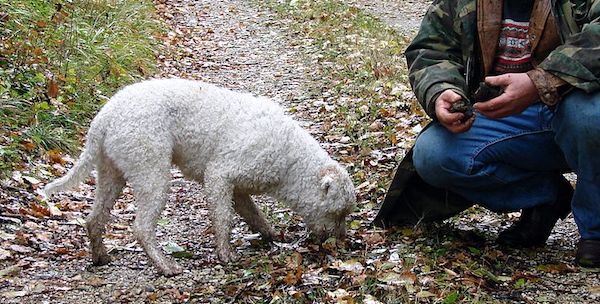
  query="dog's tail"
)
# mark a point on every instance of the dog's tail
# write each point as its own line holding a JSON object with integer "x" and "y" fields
{"x": 83, "y": 167}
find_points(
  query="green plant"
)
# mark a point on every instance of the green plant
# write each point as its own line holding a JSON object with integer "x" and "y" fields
{"x": 59, "y": 60}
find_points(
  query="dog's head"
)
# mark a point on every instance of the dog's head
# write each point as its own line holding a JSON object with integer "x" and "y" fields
{"x": 335, "y": 199}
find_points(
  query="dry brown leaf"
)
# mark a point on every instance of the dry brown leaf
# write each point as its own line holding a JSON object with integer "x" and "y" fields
{"x": 39, "y": 211}
{"x": 54, "y": 157}
{"x": 28, "y": 145}
{"x": 373, "y": 238}
{"x": 62, "y": 250}
{"x": 376, "y": 126}
{"x": 52, "y": 88}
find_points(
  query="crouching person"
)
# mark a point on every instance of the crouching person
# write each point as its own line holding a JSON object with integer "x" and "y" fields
{"x": 509, "y": 155}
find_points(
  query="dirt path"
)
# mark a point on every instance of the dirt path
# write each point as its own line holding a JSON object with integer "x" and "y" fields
{"x": 233, "y": 44}
{"x": 403, "y": 15}
{"x": 230, "y": 43}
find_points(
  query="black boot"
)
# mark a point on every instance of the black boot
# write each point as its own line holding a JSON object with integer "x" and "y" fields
{"x": 536, "y": 223}
{"x": 588, "y": 253}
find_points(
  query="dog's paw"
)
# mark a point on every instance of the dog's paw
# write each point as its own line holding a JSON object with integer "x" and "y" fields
{"x": 101, "y": 259}
{"x": 270, "y": 236}
{"x": 226, "y": 255}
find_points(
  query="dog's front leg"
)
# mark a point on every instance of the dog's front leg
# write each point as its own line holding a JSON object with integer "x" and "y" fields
{"x": 219, "y": 194}
{"x": 255, "y": 218}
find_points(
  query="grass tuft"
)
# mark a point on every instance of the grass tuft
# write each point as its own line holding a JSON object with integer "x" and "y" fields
{"x": 58, "y": 61}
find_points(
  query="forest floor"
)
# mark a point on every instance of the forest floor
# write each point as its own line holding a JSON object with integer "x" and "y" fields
{"x": 250, "y": 46}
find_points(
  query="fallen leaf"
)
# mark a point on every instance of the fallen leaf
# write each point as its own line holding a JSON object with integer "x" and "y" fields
{"x": 96, "y": 281}
{"x": 62, "y": 250}
{"x": 52, "y": 88}
{"x": 78, "y": 221}
{"x": 20, "y": 249}
{"x": 162, "y": 222}
{"x": 330, "y": 245}
{"x": 7, "y": 236}
{"x": 28, "y": 145}
{"x": 39, "y": 211}
{"x": 376, "y": 126}
{"x": 394, "y": 278}
{"x": 425, "y": 294}
{"x": 359, "y": 279}
{"x": 556, "y": 268}
{"x": 595, "y": 290}
{"x": 338, "y": 295}
{"x": 10, "y": 271}
{"x": 55, "y": 157}
{"x": 4, "y": 254}
{"x": 451, "y": 274}
{"x": 295, "y": 269}
{"x": 373, "y": 238}
{"x": 177, "y": 251}
{"x": 352, "y": 266}
{"x": 14, "y": 294}
{"x": 369, "y": 299}
{"x": 31, "y": 180}
{"x": 54, "y": 211}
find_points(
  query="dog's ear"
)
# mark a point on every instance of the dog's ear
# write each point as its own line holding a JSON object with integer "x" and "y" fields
{"x": 326, "y": 182}
{"x": 327, "y": 176}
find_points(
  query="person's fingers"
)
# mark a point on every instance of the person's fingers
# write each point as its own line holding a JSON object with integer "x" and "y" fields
{"x": 450, "y": 96}
{"x": 492, "y": 105}
{"x": 486, "y": 107}
{"x": 498, "y": 81}
{"x": 449, "y": 118}
{"x": 460, "y": 127}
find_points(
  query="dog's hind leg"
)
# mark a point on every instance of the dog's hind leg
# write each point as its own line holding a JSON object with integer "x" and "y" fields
{"x": 247, "y": 209}
{"x": 151, "y": 184}
{"x": 109, "y": 184}
{"x": 219, "y": 195}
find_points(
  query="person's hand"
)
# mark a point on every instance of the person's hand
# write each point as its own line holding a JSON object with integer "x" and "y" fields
{"x": 451, "y": 121}
{"x": 519, "y": 93}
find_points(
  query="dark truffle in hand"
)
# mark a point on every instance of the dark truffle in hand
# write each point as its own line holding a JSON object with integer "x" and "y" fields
{"x": 486, "y": 92}
{"x": 463, "y": 106}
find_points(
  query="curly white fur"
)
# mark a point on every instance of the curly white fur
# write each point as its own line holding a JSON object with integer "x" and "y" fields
{"x": 235, "y": 143}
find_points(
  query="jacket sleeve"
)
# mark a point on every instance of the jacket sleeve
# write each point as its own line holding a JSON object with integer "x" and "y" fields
{"x": 434, "y": 57}
{"x": 576, "y": 62}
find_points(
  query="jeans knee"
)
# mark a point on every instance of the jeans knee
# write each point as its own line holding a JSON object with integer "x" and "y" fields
{"x": 576, "y": 120}
{"x": 430, "y": 160}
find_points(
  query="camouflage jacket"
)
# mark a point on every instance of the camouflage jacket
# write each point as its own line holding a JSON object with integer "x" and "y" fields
{"x": 458, "y": 38}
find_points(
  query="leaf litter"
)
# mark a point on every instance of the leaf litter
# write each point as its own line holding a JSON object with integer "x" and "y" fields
{"x": 241, "y": 45}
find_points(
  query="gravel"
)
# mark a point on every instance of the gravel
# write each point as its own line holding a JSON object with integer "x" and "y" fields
{"x": 236, "y": 45}
{"x": 230, "y": 43}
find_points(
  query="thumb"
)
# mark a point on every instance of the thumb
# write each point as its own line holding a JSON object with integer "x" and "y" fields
{"x": 451, "y": 96}
{"x": 497, "y": 81}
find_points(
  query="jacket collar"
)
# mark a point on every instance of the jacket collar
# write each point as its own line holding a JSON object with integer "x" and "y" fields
{"x": 539, "y": 15}
{"x": 489, "y": 23}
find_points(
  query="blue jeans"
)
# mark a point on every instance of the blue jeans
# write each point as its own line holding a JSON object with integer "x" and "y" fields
{"x": 514, "y": 162}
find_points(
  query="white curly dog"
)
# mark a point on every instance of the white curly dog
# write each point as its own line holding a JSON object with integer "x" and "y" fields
{"x": 235, "y": 143}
